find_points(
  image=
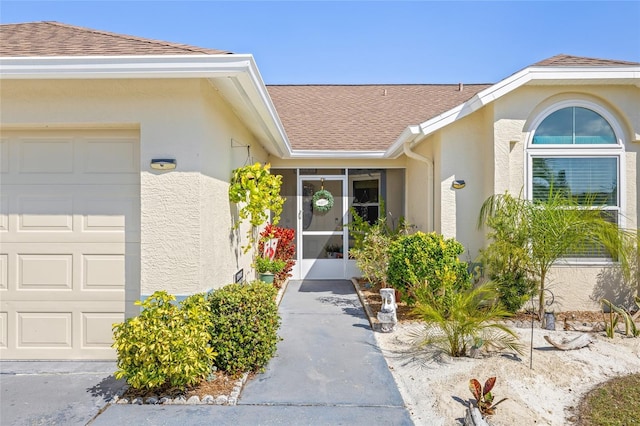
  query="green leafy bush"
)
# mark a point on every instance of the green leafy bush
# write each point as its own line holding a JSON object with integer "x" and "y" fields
{"x": 257, "y": 193}
{"x": 244, "y": 326}
{"x": 506, "y": 265}
{"x": 264, "y": 265}
{"x": 373, "y": 257}
{"x": 167, "y": 344}
{"x": 429, "y": 263}
{"x": 371, "y": 245}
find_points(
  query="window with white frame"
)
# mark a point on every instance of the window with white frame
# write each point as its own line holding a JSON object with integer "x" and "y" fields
{"x": 575, "y": 149}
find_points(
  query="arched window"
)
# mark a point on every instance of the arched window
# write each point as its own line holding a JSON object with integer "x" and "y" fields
{"x": 574, "y": 126}
{"x": 574, "y": 149}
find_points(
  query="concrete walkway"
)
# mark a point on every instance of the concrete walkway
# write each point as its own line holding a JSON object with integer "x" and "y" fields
{"x": 328, "y": 371}
{"x": 328, "y": 355}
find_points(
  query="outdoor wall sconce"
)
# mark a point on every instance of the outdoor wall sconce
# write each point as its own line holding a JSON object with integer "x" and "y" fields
{"x": 163, "y": 163}
{"x": 458, "y": 184}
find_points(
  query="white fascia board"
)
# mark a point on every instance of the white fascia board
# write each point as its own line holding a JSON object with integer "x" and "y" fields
{"x": 261, "y": 98}
{"x": 490, "y": 94}
{"x": 92, "y": 67}
{"x": 586, "y": 73}
{"x": 241, "y": 67}
{"x": 337, "y": 155}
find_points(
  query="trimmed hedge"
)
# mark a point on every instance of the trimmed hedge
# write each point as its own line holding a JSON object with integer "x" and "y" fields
{"x": 244, "y": 326}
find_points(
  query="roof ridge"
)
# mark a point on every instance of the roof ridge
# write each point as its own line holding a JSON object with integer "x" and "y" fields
{"x": 134, "y": 38}
{"x": 563, "y": 59}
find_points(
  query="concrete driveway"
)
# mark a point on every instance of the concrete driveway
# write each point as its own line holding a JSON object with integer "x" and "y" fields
{"x": 55, "y": 393}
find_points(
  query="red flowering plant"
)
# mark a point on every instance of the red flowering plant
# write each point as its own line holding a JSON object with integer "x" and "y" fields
{"x": 285, "y": 250}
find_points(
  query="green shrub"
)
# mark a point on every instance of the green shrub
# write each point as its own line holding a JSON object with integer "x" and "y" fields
{"x": 373, "y": 257}
{"x": 244, "y": 326}
{"x": 506, "y": 259}
{"x": 505, "y": 265}
{"x": 167, "y": 344}
{"x": 371, "y": 245}
{"x": 264, "y": 265}
{"x": 428, "y": 263}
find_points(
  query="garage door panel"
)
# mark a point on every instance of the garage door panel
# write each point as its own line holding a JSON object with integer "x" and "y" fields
{"x": 97, "y": 328}
{"x": 4, "y": 212}
{"x": 44, "y": 330}
{"x": 110, "y": 156}
{"x": 45, "y": 212}
{"x": 62, "y": 330}
{"x": 45, "y": 156}
{"x": 3, "y": 330}
{"x": 59, "y": 298}
{"x": 77, "y": 211}
{"x": 85, "y": 267}
{"x": 4, "y": 272}
{"x": 103, "y": 272}
{"x": 69, "y": 161}
{"x": 45, "y": 271}
{"x": 113, "y": 211}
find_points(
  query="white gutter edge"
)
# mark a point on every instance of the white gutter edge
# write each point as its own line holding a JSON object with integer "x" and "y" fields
{"x": 157, "y": 66}
{"x": 91, "y": 67}
{"x": 261, "y": 89}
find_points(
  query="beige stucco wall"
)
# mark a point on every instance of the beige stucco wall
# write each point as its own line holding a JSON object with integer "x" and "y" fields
{"x": 488, "y": 149}
{"x": 469, "y": 136}
{"x": 187, "y": 244}
{"x": 419, "y": 185}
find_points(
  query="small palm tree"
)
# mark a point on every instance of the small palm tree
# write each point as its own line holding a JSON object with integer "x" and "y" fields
{"x": 470, "y": 318}
{"x": 549, "y": 230}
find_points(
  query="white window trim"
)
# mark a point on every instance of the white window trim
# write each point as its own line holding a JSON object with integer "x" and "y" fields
{"x": 579, "y": 103}
{"x": 576, "y": 151}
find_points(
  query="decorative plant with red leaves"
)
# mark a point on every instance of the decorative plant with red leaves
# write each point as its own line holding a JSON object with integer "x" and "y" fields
{"x": 285, "y": 250}
{"x": 484, "y": 397}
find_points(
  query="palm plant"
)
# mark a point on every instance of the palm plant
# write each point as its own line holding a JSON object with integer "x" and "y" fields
{"x": 469, "y": 318}
{"x": 557, "y": 227}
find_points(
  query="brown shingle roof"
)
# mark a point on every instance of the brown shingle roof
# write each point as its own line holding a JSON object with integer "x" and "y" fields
{"x": 360, "y": 118}
{"x": 563, "y": 60}
{"x": 56, "y": 39}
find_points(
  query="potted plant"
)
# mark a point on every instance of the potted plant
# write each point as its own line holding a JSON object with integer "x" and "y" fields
{"x": 257, "y": 193}
{"x": 333, "y": 251}
{"x": 267, "y": 268}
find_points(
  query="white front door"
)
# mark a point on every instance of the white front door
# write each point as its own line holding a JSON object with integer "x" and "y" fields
{"x": 322, "y": 239}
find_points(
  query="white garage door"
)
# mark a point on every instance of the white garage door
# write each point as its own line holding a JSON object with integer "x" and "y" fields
{"x": 69, "y": 240}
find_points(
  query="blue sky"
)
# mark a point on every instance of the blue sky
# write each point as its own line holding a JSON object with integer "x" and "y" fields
{"x": 352, "y": 42}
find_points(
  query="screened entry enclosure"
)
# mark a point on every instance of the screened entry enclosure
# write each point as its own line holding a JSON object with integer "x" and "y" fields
{"x": 322, "y": 234}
